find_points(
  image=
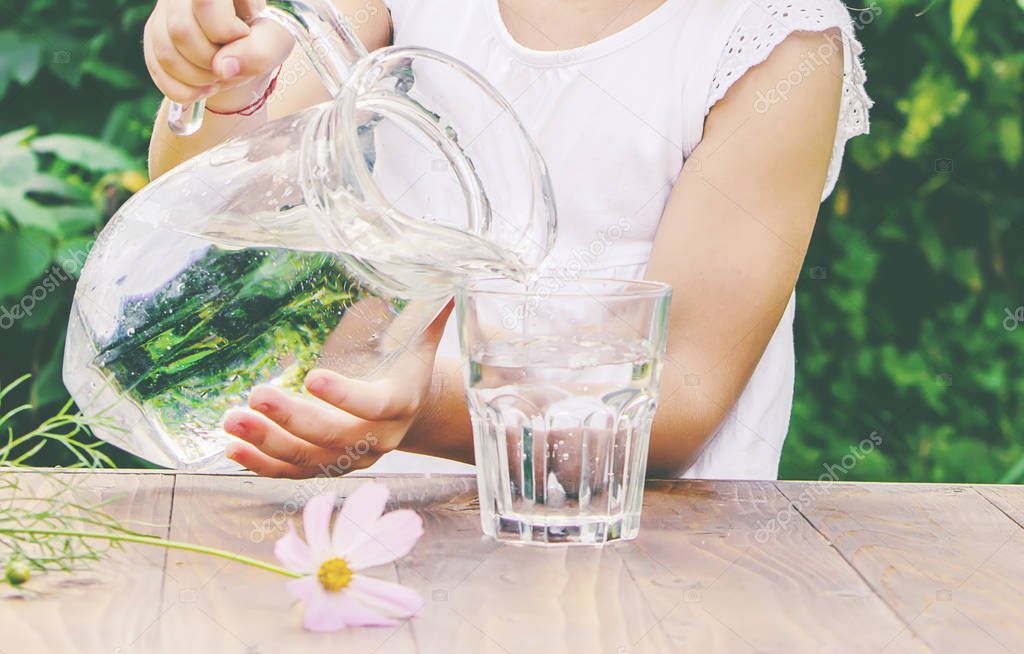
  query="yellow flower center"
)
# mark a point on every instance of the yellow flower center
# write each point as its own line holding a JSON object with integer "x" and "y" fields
{"x": 334, "y": 574}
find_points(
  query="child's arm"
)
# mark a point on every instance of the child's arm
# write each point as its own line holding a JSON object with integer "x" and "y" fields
{"x": 733, "y": 237}
{"x": 197, "y": 48}
{"x": 731, "y": 243}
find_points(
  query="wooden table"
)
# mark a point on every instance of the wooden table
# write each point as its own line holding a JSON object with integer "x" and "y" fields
{"x": 719, "y": 567}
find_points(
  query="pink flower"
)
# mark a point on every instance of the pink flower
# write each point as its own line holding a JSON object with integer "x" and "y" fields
{"x": 334, "y": 592}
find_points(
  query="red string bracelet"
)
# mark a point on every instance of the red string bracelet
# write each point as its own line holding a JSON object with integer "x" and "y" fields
{"x": 255, "y": 106}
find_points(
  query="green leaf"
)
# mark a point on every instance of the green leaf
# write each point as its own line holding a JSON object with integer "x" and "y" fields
{"x": 27, "y": 213}
{"x": 20, "y": 177}
{"x": 967, "y": 50}
{"x": 1016, "y": 471}
{"x": 66, "y": 55}
{"x": 76, "y": 220}
{"x": 933, "y": 98}
{"x": 47, "y": 385}
{"x": 19, "y": 59}
{"x": 56, "y": 187}
{"x": 72, "y": 253}
{"x": 17, "y": 166}
{"x": 138, "y": 15}
{"x": 18, "y": 137}
{"x": 113, "y": 75}
{"x": 965, "y": 269}
{"x": 24, "y": 256}
{"x": 85, "y": 152}
{"x": 1010, "y": 139}
{"x": 960, "y": 13}
{"x": 53, "y": 306}
{"x": 67, "y": 67}
{"x": 933, "y": 248}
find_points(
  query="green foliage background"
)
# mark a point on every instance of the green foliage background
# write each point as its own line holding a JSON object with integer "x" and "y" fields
{"x": 908, "y": 296}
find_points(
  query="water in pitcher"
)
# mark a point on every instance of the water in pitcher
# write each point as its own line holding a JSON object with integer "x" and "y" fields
{"x": 195, "y": 320}
{"x": 561, "y": 426}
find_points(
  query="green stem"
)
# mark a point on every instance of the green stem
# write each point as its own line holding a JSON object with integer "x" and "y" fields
{"x": 158, "y": 542}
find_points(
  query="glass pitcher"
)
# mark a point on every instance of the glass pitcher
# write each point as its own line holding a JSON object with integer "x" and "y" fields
{"x": 328, "y": 238}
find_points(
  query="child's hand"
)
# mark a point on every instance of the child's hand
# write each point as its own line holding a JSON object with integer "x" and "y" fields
{"x": 351, "y": 424}
{"x": 203, "y": 48}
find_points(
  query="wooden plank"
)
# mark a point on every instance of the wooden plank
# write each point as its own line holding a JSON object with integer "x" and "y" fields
{"x": 943, "y": 557}
{"x": 524, "y": 599}
{"x": 695, "y": 578}
{"x": 219, "y": 606}
{"x": 101, "y": 610}
{"x": 729, "y": 566}
{"x": 1008, "y": 499}
{"x": 491, "y": 598}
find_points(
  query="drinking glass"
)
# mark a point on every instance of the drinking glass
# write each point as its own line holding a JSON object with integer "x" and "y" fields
{"x": 562, "y": 386}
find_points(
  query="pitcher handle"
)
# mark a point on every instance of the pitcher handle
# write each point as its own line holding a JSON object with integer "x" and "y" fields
{"x": 323, "y": 33}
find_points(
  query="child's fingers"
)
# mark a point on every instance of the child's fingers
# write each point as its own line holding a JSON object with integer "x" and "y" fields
{"x": 218, "y": 20}
{"x": 273, "y": 440}
{"x": 264, "y": 465}
{"x": 167, "y": 83}
{"x": 266, "y": 47}
{"x": 162, "y": 48}
{"x": 375, "y": 401}
{"x": 310, "y": 420}
{"x": 189, "y": 40}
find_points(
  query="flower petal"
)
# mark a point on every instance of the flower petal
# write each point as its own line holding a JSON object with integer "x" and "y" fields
{"x": 294, "y": 553}
{"x": 355, "y": 613}
{"x": 389, "y": 538}
{"x": 397, "y": 600}
{"x": 324, "y": 611}
{"x": 306, "y": 589}
{"x": 316, "y": 523}
{"x": 360, "y": 510}
{"x": 317, "y": 613}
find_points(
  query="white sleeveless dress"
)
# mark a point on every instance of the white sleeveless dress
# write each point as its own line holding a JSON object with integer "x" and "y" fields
{"x": 615, "y": 121}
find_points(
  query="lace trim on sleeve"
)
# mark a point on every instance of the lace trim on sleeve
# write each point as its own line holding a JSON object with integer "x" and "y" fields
{"x": 765, "y": 25}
